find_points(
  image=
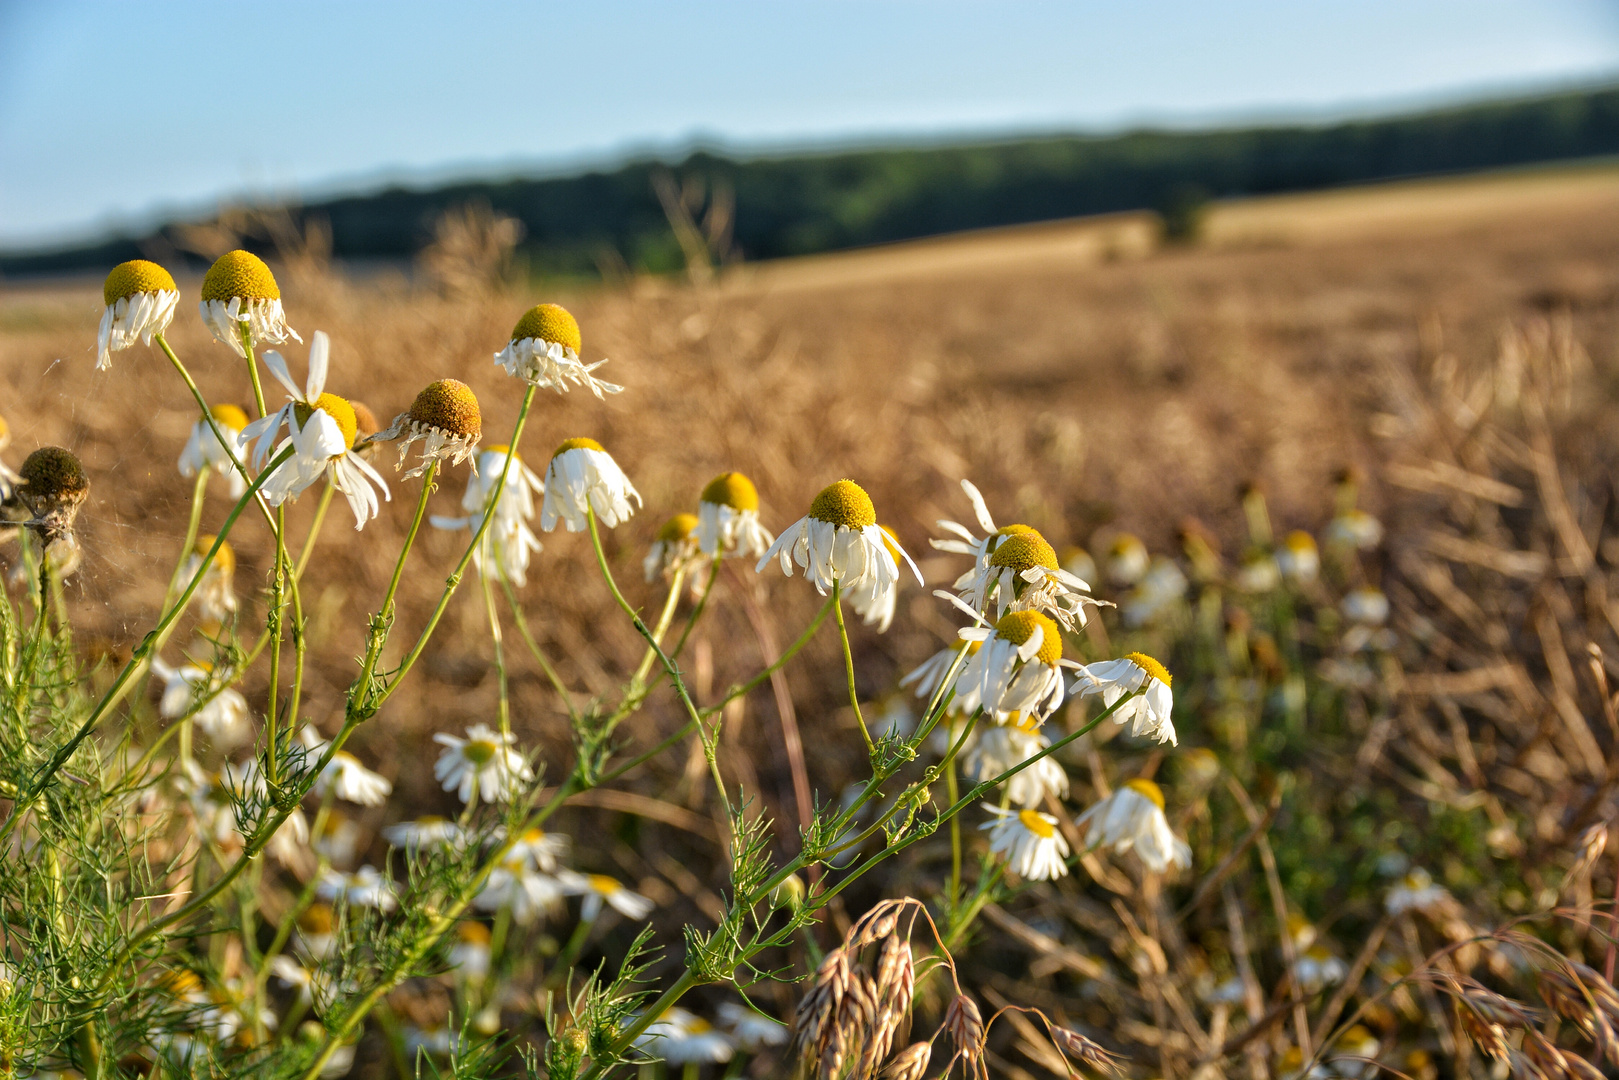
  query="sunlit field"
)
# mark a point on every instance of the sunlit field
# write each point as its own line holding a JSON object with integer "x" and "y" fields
{"x": 1341, "y": 469}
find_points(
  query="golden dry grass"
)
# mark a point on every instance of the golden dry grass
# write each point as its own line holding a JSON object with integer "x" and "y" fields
{"x": 1085, "y": 381}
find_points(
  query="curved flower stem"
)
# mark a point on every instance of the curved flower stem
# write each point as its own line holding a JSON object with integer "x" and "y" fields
{"x": 702, "y": 605}
{"x": 314, "y": 531}
{"x": 848, "y": 664}
{"x": 246, "y": 333}
{"x": 710, "y": 740}
{"x": 551, "y": 675}
{"x": 688, "y": 980}
{"x": 500, "y": 654}
{"x": 137, "y": 660}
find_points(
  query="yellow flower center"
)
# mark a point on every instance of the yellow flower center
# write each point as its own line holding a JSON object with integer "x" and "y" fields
{"x": 450, "y": 406}
{"x": 1028, "y": 723}
{"x": 844, "y": 503}
{"x": 732, "y": 489}
{"x": 1037, "y": 823}
{"x": 1014, "y": 529}
{"x": 1150, "y": 666}
{"x": 1299, "y": 541}
{"x": 180, "y": 982}
{"x": 577, "y": 444}
{"x": 230, "y": 416}
{"x": 534, "y": 836}
{"x": 1146, "y": 787}
{"x": 135, "y": 277}
{"x": 225, "y": 560}
{"x": 239, "y": 273}
{"x": 603, "y": 884}
{"x": 479, "y": 751}
{"x": 335, "y": 407}
{"x": 54, "y": 474}
{"x": 1018, "y": 627}
{"x": 317, "y": 919}
{"x": 697, "y": 1025}
{"x": 1023, "y": 550}
{"x": 550, "y": 322}
{"x": 678, "y": 528}
{"x": 473, "y": 933}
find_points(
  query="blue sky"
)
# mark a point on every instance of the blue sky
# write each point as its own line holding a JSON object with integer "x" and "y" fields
{"x": 112, "y": 113}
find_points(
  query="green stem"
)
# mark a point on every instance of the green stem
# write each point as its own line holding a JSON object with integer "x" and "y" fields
{"x": 848, "y": 665}
{"x": 539, "y": 654}
{"x": 252, "y": 365}
{"x": 138, "y": 660}
{"x": 500, "y": 655}
{"x": 314, "y": 530}
{"x": 702, "y": 605}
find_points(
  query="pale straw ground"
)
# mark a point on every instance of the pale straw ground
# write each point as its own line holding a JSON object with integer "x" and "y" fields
{"x": 1084, "y": 380}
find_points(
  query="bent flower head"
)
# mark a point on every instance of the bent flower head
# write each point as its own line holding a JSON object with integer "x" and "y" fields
{"x": 141, "y": 297}
{"x": 240, "y": 298}
{"x": 583, "y": 478}
{"x": 544, "y": 350}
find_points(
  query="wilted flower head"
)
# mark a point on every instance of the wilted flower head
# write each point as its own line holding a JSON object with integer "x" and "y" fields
{"x": 240, "y": 294}
{"x": 1148, "y": 713}
{"x": 1016, "y": 668}
{"x": 728, "y": 518}
{"x": 52, "y": 486}
{"x": 1004, "y": 746}
{"x": 544, "y": 350}
{"x": 674, "y": 549}
{"x": 583, "y": 478}
{"x": 1298, "y": 558}
{"x": 204, "y": 450}
{"x": 1132, "y": 819}
{"x": 445, "y": 415}
{"x": 322, "y": 430}
{"x": 141, "y": 297}
{"x": 839, "y": 541}
{"x": 191, "y": 689}
{"x": 508, "y": 543}
{"x": 216, "y": 594}
{"x": 1029, "y": 841}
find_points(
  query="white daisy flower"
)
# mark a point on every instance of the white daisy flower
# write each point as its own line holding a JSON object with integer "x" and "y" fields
{"x": 681, "y": 1038}
{"x": 470, "y": 953}
{"x": 446, "y": 417}
{"x": 582, "y": 476}
{"x": 674, "y": 549}
{"x": 1366, "y": 606}
{"x": 1127, "y": 560}
{"x": 1132, "y": 819}
{"x": 363, "y": 888}
{"x": 1022, "y": 574}
{"x": 1029, "y": 842}
{"x": 598, "y": 889}
{"x": 1415, "y": 892}
{"x": 931, "y": 673}
{"x": 141, "y": 297}
{"x": 538, "y": 848}
{"x": 314, "y": 933}
{"x": 1317, "y": 968}
{"x": 1006, "y": 746}
{"x": 752, "y": 1030}
{"x": 1259, "y": 572}
{"x": 509, "y": 542}
{"x": 544, "y": 350}
{"x": 966, "y": 542}
{"x": 239, "y": 291}
{"x": 516, "y": 886}
{"x": 294, "y": 976}
{"x": 1155, "y": 594}
{"x": 1353, "y": 530}
{"x": 484, "y": 762}
{"x": 203, "y": 450}
{"x": 425, "y": 832}
{"x": 347, "y": 779}
{"x": 871, "y": 601}
{"x": 1354, "y": 1054}
{"x": 322, "y": 430}
{"x": 728, "y": 518}
{"x": 224, "y": 717}
{"x": 839, "y": 541}
{"x": 1149, "y": 713}
{"x": 1017, "y": 669}
{"x": 1298, "y": 558}
{"x": 340, "y": 840}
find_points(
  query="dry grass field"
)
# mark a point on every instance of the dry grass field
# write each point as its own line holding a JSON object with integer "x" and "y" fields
{"x": 1087, "y": 379}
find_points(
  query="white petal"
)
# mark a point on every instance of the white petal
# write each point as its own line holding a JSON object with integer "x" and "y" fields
{"x": 319, "y": 347}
